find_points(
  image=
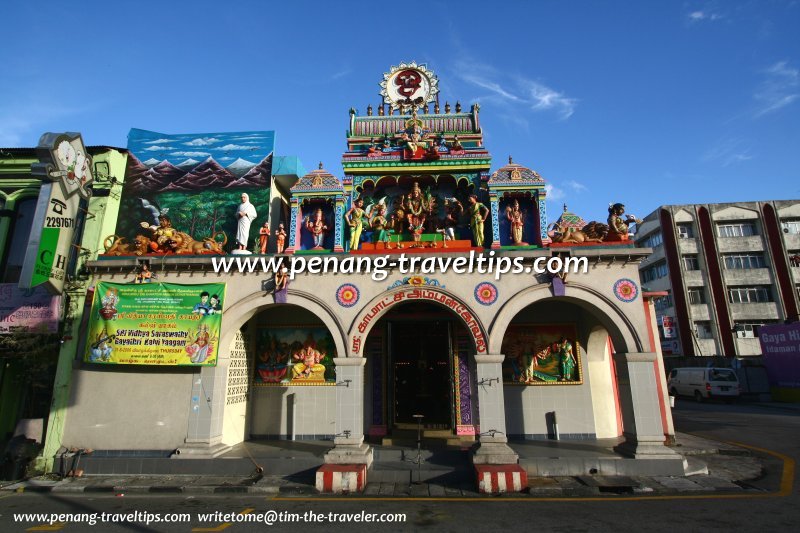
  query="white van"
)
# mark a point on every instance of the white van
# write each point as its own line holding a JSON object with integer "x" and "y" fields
{"x": 703, "y": 383}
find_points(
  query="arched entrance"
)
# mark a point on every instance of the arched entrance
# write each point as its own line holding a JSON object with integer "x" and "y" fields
{"x": 420, "y": 344}
{"x": 558, "y": 369}
{"x": 251, "y": 393}
{"x": 420, "y": 361}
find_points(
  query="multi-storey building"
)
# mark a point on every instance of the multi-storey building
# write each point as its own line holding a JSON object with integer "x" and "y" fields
{"x": 728, "y": 269}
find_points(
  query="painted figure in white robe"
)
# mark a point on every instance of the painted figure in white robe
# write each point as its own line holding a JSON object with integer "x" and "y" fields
{"x": 245, "y": 215}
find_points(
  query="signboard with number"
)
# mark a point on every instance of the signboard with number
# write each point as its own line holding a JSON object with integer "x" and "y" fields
{"x": 66, "y": 171}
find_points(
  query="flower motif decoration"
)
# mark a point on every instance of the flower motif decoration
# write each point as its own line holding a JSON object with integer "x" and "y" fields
{"x": 626, "y": 290}
{"x": 416, "y": 281}
{"x": 486, "y": 293}
{"x": 347, "y": 295}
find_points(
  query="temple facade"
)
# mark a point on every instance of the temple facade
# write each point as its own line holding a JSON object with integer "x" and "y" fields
{"x": 433, "y": 313}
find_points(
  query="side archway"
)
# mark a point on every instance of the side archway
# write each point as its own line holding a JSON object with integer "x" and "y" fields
{"x": 245, "y": 309}
{"x": 619, "y": 326}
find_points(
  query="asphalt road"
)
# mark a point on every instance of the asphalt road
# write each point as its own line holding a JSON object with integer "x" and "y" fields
{"x": 771, "y": 428}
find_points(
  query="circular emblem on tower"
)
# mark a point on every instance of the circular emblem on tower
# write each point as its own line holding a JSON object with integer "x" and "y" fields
{"x": 409, "y": 85}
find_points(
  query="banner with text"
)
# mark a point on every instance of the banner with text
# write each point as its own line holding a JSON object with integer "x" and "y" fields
{"x": 155, "y": 324}
{"x": 28, "y": 310}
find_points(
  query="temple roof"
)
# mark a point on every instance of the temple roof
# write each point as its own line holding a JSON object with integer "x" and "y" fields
{"x": 570, "y": 221}
{"x": 318, "y": 180}
{"x": 514, "y": 173}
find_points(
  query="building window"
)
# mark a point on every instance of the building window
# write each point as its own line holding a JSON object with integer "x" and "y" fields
{"x": 690, "y": 262}
{"x": 749, "y": 295}
{"x": 741, "y": 261}
{"x": 697, "y": 296}
{"x": 685, "y": 231}
{"x": 749, "y": 330}
{"x": 791, "y": 226}
{"x": 662, "y": 302}
{"x": 743, "y": 229}
{"x": 654, "y": 240}
{"x": 703, "y": 330}
{"x": 655, "y": 272}
{"x": 14, "y": 254}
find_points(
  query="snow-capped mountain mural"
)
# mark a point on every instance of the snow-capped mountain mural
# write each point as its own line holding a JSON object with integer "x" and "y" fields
{"x": 196, "y": 178}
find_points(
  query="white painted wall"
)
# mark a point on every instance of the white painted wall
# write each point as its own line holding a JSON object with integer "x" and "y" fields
{"x": 118, "y": 409}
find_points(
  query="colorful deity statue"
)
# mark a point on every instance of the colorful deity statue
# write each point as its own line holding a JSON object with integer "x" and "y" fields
{"x": 416, "y": 205}
{"x": 308, "y": 365}
{"x": 317, "y": 228}
{"x": 163, "y": 234}
{"x": 617, "y": 225}
{"x": 263, "y": 237}
{"x": 516, "y": 218}
{"x": 477, "y": 216}
{"x": 416, "y": 227}
{"x": 355, "y": 219}
{"x": 567, "y": 361}
{"x": 280, "y": 236}
{"x": 379, "y": 224}
{"x": 454, "y": 211}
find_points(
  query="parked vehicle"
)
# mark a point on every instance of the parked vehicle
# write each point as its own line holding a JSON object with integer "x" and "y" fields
{"x": 704, "y": 383}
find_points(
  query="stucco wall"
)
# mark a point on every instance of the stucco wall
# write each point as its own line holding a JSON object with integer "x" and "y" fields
{"x": 527, "y": 407}
{"x": 122, "y": 409}
{"x": 314, "y": 407}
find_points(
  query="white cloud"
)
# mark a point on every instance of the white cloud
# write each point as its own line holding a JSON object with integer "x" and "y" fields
{"x": 780, "y": 88}
{"x": 490, "y": 85}
{"x": 729, "y": 152}
{"x": 341, "y": 74}
{"x": 234, "y": 147}
{"x": 191, "y": 154}
{"x": 697, "y": 16}
{"x": 517, "y": 92}
{"x": 544, "y": 98}
{"x": 156, "y": 148}
{"x": 553, "y": 192}
{"x": 576, "y": 186}
{"x": 158, "y": 141}
{"x": 202, "y": 141}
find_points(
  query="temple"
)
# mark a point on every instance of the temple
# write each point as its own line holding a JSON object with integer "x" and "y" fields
{"x": 482, "y": 362}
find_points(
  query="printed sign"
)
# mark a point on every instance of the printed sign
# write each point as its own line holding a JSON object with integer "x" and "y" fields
{"x": 780, "y": 344}
{"x": 155, "y": 324}
{"x": 28, "y": 310}
{"x": 66, "y": 171}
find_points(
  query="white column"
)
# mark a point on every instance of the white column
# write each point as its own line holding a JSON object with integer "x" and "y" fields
{"x": 493, "y": 447}
{"x": 641, "y": 413}
{"x": 349, "y": 439}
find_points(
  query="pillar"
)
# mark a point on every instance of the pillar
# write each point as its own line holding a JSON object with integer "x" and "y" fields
{"x": 641, "y": 414}
{"x": 339, "y": 233}
{"x": 349, "y": 446}
{"x": 493, "y": 448}
{"x": 206, "y": 412}
{"x": 543, "y": 237}
{"x": 294, "y": 228}
{"x": 495, "y": 212}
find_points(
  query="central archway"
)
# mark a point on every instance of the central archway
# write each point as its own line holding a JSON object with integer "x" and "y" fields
{"x": 381, "y": 304}
{"x": 419, "y": 345}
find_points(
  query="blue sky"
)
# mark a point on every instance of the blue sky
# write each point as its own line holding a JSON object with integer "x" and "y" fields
{"x": 644, "y": 102}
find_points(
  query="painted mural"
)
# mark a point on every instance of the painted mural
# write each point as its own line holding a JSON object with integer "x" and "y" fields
{"x": 182, "y": 192}
{"x": 295, "y": 355}
{"x": 542, "y": 354}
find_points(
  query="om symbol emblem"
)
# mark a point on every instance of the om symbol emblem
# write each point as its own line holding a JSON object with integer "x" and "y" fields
{"x": 408, "y": 82}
